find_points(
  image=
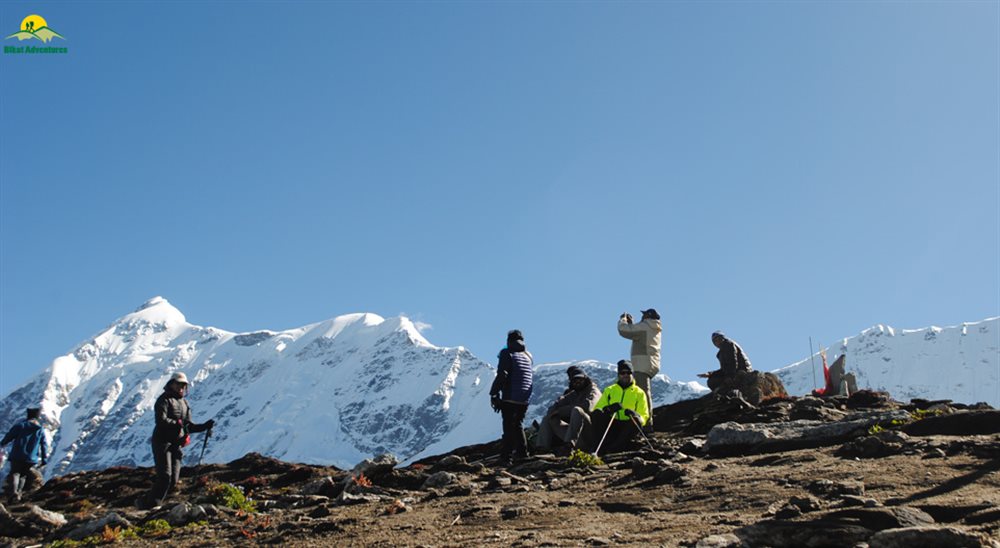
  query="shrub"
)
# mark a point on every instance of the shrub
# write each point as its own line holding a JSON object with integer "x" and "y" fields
{"x": 579, "y": 459}
{"x": 230, "y": 496}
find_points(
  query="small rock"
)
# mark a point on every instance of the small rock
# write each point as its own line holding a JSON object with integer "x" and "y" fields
{"x": 567, "y": 502}
{"x": 712, "y": 467}
{"x": 346, "y": 498}
{"x": 511, "y": 512}
{"x": 322, "y": 485}
{"x": 936, "y": 453}
{"x": 788, "y": 511}
{"x": 693, "y": 446}
{"x": 451, "y": 461}
{"x": 598, "y": 541}
{"x": 669, "y": 472}
{"x": 439, "y": 479}
{"x": 321, "y": 512}
{"x": 831, "y": 488}
{"x": 682, "y": 457}
{"x": 806, "y": 504}
{"x": 728, "y": 540}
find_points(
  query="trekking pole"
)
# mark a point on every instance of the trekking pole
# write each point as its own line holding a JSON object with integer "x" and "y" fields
{"x": 649, "y": 443}
{"x": 204, "y": 445}
{"x": 611, "y": 420}
{"x": 812, "y": 362}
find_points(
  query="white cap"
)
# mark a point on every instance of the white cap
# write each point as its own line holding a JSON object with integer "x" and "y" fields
{"x": 179, "y": 377}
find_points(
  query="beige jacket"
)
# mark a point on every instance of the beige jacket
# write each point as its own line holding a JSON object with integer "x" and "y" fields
{"x": 645, "y": 337}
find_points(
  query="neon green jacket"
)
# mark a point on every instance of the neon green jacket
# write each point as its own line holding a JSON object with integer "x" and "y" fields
{"x": 631, "y": 398}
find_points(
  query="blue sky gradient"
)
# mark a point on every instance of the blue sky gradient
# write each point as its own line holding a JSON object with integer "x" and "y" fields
{"x": 776, "y": 170}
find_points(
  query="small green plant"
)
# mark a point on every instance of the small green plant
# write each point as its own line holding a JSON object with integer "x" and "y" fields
{"x": 154, "y": 528}
{"x": 875, "y": 429}
{"x": 230, "y": 496}
{"x": 196, "y": 524}
{"x": 64, "y": 543}
{"x": 921, "y": 414}
{"x": 579, "y": 459}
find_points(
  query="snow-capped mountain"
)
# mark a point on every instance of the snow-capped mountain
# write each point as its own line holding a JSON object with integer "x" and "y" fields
{"x": 345, "y": 389}
{"x": 960, "y": 363}
{"x": 334, "y": 392}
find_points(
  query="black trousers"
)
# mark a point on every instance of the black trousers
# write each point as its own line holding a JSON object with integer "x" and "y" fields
{"x": 513, "y": 442}
{"x": 619, "y": 435}
{"x": 167, "y": 458}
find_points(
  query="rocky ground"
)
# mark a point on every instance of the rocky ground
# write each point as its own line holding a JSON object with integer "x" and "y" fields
{"x": 859, "y": 471}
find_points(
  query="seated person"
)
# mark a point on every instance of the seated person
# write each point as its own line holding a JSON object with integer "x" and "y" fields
{"x": 619, "y": 414}
{"x": 564, "y": 420}
{"x": 732, "y": 359}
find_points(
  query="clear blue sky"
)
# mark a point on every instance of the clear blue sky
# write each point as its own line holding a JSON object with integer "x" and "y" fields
{"x": 777, "y": 170}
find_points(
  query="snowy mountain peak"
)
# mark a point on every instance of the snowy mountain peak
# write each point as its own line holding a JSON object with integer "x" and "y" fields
{"x": 157, "y": 310}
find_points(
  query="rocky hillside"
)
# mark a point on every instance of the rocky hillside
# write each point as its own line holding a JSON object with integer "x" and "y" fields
{"x": 864, "y": 470}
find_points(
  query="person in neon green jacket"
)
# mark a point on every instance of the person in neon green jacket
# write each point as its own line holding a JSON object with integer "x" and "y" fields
{"x": 623, "y": 404}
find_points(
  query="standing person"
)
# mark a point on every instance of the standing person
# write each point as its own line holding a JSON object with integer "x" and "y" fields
{"x": 170, "y": 435}
{"x": 645, "y": 354}
{"x": 29, "y": 449}
{"x": 564, "y": 419}
{"x": 509, "y": 396}
{"x": 731, "y": 360}
{"x": 623, "y": 405}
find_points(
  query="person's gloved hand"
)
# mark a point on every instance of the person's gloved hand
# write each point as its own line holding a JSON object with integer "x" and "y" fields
{"x": 495, "y": 403}
{"x": 209, "y": 424}
{"x": 613, "y": 408}
{"x": 631, "y": 413}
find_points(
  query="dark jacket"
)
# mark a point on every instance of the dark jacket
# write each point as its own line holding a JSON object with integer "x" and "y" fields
{"x": 29, "y": 440}
{"x": 173, "y": 419}
{"x": 732, "y": 358}
{"x": 585, "y": 398}
{"x": 514, "y": 378}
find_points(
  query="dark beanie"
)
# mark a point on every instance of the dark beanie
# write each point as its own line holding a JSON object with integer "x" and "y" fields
{"x": 624, "y": 365}
{"x": 34, "y": 412}
{"x": 574, "y": 371}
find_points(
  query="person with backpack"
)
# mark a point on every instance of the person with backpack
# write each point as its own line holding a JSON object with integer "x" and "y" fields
{"x": 645, "y": 352}
{"x": 731, "y": 358}
{"x": 170, "y": 435}
{"x": 620, "y": 412}
{"x": 29, "y": 448}
{"x": 565, "y": 419}
{"x": 509, "y": 396}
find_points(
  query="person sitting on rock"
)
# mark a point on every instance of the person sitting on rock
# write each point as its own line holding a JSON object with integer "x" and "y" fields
{"x": 509, "y": 396}
{"x": 619, "y": 414}
{"x": 170, "y": 435}
{"x": 732, "y": 360}
{"x": 28, "y": 450}
{"x": 565, "y": 419}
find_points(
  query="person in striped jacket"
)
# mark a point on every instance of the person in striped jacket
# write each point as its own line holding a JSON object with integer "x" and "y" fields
{"x": 509, "y": 396}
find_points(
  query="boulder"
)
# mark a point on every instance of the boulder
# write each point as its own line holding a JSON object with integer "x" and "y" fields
{"x": 94, "y": 526}
{"x": 734, "y": 438}
{"x": 45, "y": 518}
{"x": 439, "y": 479}
{"x": 755, "y": 386}
{"x": 965, "y": 423}
{"x": 374, "y": 468}
{"x": 927, "y": 537}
